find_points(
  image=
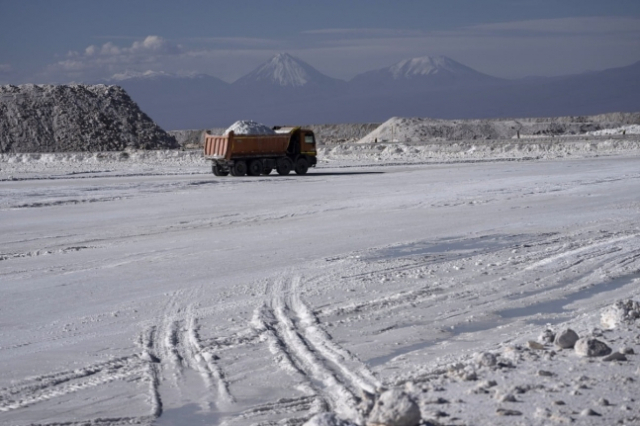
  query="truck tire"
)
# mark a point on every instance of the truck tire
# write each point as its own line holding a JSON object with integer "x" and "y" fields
{"x": 218, "y": 171}
{"x": 239, "y": 168}
{"x": 302, "y": 166}
{"x": 255, "y": 168}
{"x": 284, "y": 166}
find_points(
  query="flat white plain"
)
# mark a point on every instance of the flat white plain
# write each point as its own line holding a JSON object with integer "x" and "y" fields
{"x": 142, "y": 289}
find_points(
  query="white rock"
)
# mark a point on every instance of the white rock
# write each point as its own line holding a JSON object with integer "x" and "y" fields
{"x": 542, "y": 413}
{"x": 566, "y": 339}
{"x": 506, "y": 398}
{"x": 620, "y": 312}
{"x": 535, "y": 345}
{"x": 589, "y": 412}
{"x": 249, "y": 127}
{"x": 591, "y": 347}
{"x": 486, "y": 359}
{"x": 394, "y": 408}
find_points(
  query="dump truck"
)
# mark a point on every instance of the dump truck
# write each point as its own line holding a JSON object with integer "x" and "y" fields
{"x": 289, "y": 149}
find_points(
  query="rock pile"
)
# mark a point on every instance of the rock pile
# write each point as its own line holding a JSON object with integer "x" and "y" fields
{"x": 249, "y": 127}
{"x": 620, "y": 313}
{"x": 564, "y": 377}
{"x": 412, "y": 130}
{"x": 72, "y": 118}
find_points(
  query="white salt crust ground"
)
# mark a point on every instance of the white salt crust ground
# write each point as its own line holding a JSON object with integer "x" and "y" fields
{"x": 17, "y": 166}
{"x": 632, "y": 129}
{"x": 138, "y": 288}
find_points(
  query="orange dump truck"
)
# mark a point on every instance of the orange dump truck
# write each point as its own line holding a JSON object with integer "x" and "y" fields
{"x": 291, "y": 148}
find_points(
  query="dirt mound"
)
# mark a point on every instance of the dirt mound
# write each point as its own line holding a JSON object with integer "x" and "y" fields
{"x": 339, "y": 133}
{"x": 68, "y": 118}
{"x": 398, "y": 129}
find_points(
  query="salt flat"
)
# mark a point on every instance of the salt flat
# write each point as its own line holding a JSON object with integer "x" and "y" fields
{"x": 134, "y": 293}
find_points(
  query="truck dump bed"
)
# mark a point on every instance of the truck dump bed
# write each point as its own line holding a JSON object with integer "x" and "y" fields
{"x": 230, "y": 146}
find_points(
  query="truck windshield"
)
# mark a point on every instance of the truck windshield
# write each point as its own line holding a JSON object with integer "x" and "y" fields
{"x": 309, "y": 139}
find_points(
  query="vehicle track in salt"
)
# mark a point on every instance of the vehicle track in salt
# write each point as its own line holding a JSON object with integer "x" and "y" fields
{"x": 41, "y": 388}
{"x": 178, "y": 345}
{"x": 167, "y": 347}
{"x": 303, "y": 349}
{"x": 568, "y": 268}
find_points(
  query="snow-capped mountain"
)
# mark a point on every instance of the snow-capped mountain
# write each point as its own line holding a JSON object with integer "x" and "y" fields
{"x": 284, "y": 70}
{"x": 428, "y": 65}
{"x": 286, "y": 90}
{"x": 426, "y": 72}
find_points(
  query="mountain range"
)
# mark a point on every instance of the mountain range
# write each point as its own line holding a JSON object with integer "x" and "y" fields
{"x": 287, "y": 90}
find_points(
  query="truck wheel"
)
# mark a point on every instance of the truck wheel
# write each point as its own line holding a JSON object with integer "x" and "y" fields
{"x": 255, "y": 168}
{"x": 267, "y": 171}
{"x": 218, "y": 171}
{"x": 284, "y": 167}
{"x": 302, "y": 166}
{"x": 239, "y": 168}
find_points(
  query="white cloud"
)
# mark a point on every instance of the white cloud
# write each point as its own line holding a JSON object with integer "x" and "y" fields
{"x": 155, "y": 45}
{"x": 102, "y": 61}
{"x": 588, "y": 25}
{"x": 110, "y": 49}
{"x": 364, "y": 32}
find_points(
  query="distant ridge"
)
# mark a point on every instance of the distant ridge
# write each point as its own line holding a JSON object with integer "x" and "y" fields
{"x": 287, "y": 90}
{"x": 152, "y": 75}
{"x": 432, "y": 72}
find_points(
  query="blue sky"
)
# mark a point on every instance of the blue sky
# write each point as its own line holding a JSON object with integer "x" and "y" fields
{"x": 44, "y": 41}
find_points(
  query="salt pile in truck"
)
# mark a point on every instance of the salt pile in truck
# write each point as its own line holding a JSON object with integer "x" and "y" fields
{"x": 289, "y": 148}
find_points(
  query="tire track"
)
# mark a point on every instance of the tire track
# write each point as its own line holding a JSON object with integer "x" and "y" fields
{"x": 265, "y": 324}
{"x": 356, "y": 371}
{"x": 176, "y": 340}
{"x": 45, "y": 387}
{"x": 410, "y": 297}
{"x": 283, "y": 405}
{"x": 302, "y": 348}
{"x": 203, "y": 360}
{"x": 114, "y": 421}
{"x": 577, "y": 251}
{"x": 146, "y": 343}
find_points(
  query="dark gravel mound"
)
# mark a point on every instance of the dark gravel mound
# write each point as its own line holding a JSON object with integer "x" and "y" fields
{"x": 51, "y": 118}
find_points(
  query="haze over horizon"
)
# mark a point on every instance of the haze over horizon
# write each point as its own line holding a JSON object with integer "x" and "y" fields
{"x": 74, "y": 40}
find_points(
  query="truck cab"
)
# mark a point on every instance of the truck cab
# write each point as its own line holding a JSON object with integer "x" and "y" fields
{"x": 302, "y": 147}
